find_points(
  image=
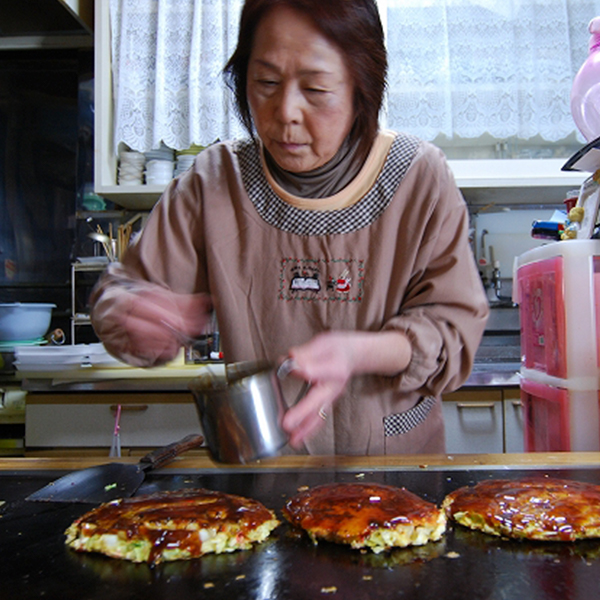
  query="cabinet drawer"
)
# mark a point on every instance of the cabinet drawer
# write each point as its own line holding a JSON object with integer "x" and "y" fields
{"x": 143, "y": 424}
{"x": 474, "y": 422}
{"x": 514, "y": 440}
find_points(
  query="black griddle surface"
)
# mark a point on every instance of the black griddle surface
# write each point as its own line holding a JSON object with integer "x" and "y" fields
{"x": 35, "y": 563}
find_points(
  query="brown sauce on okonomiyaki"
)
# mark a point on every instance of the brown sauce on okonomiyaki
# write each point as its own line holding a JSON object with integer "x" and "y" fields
{"x": 562, "y": 509}
{"x": 356, "y": 508}
{"x": 162, "y": 518}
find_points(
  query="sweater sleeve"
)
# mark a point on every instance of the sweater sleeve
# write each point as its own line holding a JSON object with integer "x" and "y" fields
{"x": 168, "y": 254}
{"x": 445, "y": 309}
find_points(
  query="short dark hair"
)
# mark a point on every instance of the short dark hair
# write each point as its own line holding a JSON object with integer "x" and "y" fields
{"x": 353, "y": 26}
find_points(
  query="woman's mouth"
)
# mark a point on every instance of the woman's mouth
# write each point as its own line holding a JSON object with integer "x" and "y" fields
{"x": 290, "y": 147}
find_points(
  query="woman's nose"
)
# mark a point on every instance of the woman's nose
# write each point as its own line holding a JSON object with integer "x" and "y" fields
{"x": 289, "y": 105}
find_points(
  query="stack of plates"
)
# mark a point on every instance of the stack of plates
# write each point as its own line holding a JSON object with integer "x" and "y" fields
{"x": 185, "y": 158}
{"x": 159, "y": 165}
{"x": 131, "y": 167}
{"x": 184, "y": 162}
{"x": 63, "y": 358}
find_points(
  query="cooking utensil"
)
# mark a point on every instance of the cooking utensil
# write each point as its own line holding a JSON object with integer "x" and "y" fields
{"x": 107, "y": 241}
{"x": 113, "y": 480}
{"x": 241, "y": 412}
{"x": 115, "y": 448}
{"x": 196, "y": 349}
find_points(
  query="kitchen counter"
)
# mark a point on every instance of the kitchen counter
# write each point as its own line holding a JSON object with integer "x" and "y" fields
{"x": 200, "y": 459}
{"x": 173, "y": 377}
{"x": 464, "y": 565}
{"x": 76, "y": 408}
{"x": 500, "y": 374}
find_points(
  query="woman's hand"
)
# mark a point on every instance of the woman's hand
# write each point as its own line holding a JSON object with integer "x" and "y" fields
{"x": 140, "y": 323}
{"x": 329, "y": 361}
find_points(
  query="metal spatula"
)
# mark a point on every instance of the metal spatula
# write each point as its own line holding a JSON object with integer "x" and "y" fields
{"x": 113, "y": 480}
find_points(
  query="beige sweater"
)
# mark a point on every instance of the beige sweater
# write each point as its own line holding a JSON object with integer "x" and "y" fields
{"x": 390, "y": 251}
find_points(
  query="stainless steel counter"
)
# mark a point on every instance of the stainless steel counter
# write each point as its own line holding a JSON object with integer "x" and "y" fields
{"x": 501, "y": 374}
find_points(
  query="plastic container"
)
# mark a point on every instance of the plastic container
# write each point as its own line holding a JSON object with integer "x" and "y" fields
{"x": 22, "y": 321}
{"x": 557, "y": 288}
{"x": 585, "y": 92}
{"x": 559, "y": 419}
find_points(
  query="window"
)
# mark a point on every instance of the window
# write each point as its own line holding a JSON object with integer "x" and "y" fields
{"x": 480, "y": 78}
{"x": 487, "y": 78}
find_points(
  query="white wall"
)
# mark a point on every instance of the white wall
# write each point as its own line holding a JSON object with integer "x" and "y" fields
{"x": 509, "y": 233}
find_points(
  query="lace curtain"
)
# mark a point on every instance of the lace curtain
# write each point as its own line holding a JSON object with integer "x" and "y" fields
{"x": 456, "y": 67}
{"x": 469, "y": 67}
{"x": 167, "y": 59}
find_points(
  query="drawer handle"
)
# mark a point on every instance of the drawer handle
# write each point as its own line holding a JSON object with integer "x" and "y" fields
{"x": 517, "y": 403}
{"x": 475, "y": 404}
{"x": 129, "y": 407}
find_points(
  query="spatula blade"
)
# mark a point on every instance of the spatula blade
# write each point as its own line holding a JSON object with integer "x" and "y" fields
{"x": 102, "y": 483}
{"x": 107, "y": 482}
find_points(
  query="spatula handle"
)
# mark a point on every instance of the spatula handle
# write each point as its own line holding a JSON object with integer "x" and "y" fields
{"x": 161, "y": 456}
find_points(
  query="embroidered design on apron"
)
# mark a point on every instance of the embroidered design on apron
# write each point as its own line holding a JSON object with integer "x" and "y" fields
{"x": 321, "y": 280}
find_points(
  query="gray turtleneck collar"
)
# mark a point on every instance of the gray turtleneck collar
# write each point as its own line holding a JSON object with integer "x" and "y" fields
{"x": 324, "y": 181}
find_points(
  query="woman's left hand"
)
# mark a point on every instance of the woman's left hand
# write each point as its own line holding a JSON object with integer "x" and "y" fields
{"x": 328, "y": 362}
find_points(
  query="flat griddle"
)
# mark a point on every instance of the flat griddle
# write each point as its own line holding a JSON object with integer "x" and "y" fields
{"x": 465, "y": 565}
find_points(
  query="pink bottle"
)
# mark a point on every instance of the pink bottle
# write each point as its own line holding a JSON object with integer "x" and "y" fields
{"x": 585, "y": 93}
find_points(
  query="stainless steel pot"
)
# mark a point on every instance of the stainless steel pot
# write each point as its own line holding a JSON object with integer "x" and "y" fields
{"x": 241, "y": 412}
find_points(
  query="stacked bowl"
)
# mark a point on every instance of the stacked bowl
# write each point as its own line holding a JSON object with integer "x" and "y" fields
{"x": 131, "y": 167}
{"x": 159, "y": 165}
{"x": 185, "y": 158}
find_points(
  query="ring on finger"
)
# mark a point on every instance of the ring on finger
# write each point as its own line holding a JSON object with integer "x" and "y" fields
{"x": 322, "y": 414}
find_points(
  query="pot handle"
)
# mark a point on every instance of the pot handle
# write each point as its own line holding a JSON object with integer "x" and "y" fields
{"x": 284, "y": 369}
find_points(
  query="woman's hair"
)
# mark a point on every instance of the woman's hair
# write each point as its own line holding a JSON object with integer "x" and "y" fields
{"x": 353, "y": 26}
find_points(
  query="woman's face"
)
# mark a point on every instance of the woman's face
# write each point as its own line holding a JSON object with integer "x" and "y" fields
{"x": 299, "y": 91}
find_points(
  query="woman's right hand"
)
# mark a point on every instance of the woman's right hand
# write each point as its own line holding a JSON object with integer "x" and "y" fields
{"x": 143, "y": 324}
{"x": 328, "y": 361}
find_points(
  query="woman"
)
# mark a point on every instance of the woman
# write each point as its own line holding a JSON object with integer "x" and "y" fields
{"x": 321, "y": 238}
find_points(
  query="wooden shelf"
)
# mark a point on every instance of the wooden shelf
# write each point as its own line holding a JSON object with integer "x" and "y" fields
{"x": 138, "y": 197}
{"x": 503, "y": 182}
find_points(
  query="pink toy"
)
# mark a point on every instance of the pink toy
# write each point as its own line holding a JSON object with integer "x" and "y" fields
{"x": 585, "y": 93}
